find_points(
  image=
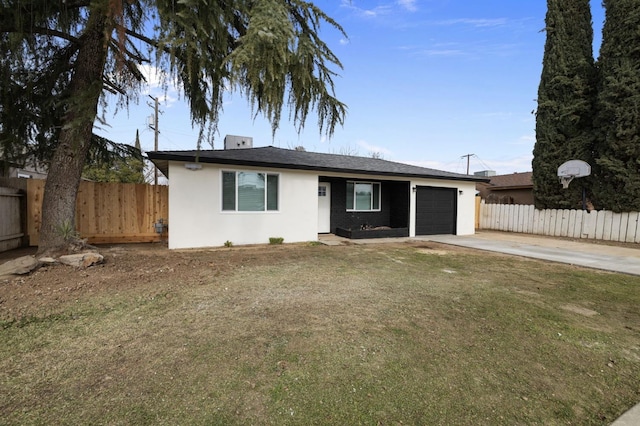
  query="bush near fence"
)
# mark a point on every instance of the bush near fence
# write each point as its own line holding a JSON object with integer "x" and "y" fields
{"x": 598, "y": 225}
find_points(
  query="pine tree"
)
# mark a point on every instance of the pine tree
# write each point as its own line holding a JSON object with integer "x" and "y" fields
{"x": 124, "y": 166}
{"x": 63, "y": 55}
{"x": 566, "y": 96}
{"x": 618, "y": 109}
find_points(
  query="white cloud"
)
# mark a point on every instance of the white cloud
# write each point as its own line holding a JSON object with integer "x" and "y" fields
{"x": 410, "y": 5}
{"x": 475, "y": 22}
{"x": 153, "y": 75}
{"x": 366, "y": 13}
{"x": 369, "y": 148}
{"x": 158, "y": 86}
{"x": 442, "y": 52}
{"x": 520, "y": 163}
{"x": 500, "y": 115}
{"x": 529, "y": 140}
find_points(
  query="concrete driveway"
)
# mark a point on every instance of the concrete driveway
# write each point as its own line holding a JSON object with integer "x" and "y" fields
{"x": 588, "y": 254}
{"x": 582, "y": 253}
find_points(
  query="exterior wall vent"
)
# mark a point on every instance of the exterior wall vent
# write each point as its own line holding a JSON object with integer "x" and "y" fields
{"x": 237, "y": 142}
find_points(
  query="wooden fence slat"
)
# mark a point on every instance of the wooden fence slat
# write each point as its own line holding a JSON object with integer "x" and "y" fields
{"x": 616, "y": 225}
{"x": 564, "y": 222}
{"x": 510, "y": 217}
{"x": 107, "y": 212}
{"x": 633, "y": 228}
{"x": 11, "y": 218}
{"x": 602, "y": 225}
{"x": 520, "y": 222}
{"x": 577, "y": 224}
{"x": 607, "y": 223}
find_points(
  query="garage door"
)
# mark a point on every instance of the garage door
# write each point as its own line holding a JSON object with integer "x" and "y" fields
{"x": 436, "y": 210}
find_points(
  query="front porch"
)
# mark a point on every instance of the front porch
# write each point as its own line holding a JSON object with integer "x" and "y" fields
{"x": 336, "y": 240}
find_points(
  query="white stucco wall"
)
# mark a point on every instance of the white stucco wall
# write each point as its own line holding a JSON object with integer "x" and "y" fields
{"x": 466, "y": 224}
{"x": 197, "y": 219}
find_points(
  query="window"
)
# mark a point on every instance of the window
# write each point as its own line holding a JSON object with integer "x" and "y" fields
{"x": 249, "y": 191}
{"x": 322, "y": 191}
{"x": 363, "y": 196}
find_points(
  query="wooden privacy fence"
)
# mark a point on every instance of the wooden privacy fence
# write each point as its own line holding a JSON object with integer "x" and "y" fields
{"x": 599, "y": 225}
{"x": 12, "y": 216}
{"x": 107, "y": 212}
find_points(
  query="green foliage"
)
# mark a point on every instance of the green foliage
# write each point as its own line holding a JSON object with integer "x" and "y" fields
{"x": 60, "y": 59}
{"x": 276, "y": 240}
{"x": 228, "y": 243}
{"x": 67, "y": 231}
{"x": 618, "y": 120}
{"x": 590, "y": 115}
{"x": 114, "y": 163}
{"x": 565, "y": 102}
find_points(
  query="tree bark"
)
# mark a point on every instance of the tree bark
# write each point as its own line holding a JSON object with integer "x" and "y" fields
{"x": 58, "y": 226}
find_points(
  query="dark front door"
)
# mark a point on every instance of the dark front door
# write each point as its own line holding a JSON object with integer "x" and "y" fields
{"x": 436, "y": 210}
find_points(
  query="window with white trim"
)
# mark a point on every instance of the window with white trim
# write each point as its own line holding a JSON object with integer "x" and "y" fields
{"x": 249, "y": 191}
{"x": 363, "y": 196}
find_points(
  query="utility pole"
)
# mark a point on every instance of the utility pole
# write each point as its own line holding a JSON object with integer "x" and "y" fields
{"x": 468, "y": 158}
{"x": 156, "y": 133}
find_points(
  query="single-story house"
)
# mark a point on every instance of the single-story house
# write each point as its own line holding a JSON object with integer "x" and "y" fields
{"x": 248, "y": 195}
{"x": 514, "y": 188}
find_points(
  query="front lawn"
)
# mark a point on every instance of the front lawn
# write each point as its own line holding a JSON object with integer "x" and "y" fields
{"x": 413, "y": 333}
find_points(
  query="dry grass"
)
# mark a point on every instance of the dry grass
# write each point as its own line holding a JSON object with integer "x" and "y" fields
{"x": 411, "y": 334}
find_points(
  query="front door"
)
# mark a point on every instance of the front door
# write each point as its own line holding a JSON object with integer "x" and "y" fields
{"x": 324, "y": 207}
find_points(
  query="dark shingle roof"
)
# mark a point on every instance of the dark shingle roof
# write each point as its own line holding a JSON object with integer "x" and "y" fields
{"x": 302, "y": 160}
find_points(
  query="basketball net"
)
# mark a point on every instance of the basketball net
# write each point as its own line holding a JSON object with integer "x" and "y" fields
{"x": 565, "y": 181}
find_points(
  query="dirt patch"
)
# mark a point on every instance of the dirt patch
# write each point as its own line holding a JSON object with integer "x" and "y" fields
{"x": 144, "y": 268}
{"x": 433, "y": 251}
{"x": 147, "y": 269}
{"x": 580, "y": 310}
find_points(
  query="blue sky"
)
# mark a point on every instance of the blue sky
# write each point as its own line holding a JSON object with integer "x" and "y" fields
{"x": 426, "y": 82}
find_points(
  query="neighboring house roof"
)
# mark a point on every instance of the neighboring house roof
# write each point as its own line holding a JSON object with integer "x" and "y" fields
{"x": 302, "y": 160}
{"x": 512, "y": 181}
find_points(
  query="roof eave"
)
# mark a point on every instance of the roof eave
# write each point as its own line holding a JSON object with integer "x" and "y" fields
{"x": 161, "y": 161}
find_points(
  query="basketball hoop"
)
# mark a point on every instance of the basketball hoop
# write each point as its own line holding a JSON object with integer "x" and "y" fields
{"x": 572, "y": 169}
{"x": 566, "y": 180}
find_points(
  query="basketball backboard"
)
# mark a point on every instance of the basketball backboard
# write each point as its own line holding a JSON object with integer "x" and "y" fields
{"x": 574, "y": 168}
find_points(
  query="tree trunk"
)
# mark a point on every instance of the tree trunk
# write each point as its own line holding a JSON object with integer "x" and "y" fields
{"x": 57, "y": 230}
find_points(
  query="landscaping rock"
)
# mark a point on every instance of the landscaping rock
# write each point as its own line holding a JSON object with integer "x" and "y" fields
{"x": 81, "y": 260}
{"x": 20, "y": 266}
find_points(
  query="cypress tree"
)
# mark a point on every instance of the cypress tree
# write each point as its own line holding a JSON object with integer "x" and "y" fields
{"x": 618, "y": 109}
{"x": 565, "y": 102}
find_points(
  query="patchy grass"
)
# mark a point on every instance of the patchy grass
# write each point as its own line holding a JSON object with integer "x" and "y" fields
{"x": 410, "y": 333}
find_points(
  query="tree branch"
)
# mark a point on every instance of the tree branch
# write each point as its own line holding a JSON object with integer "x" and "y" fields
{"x": 39, "y": 30}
